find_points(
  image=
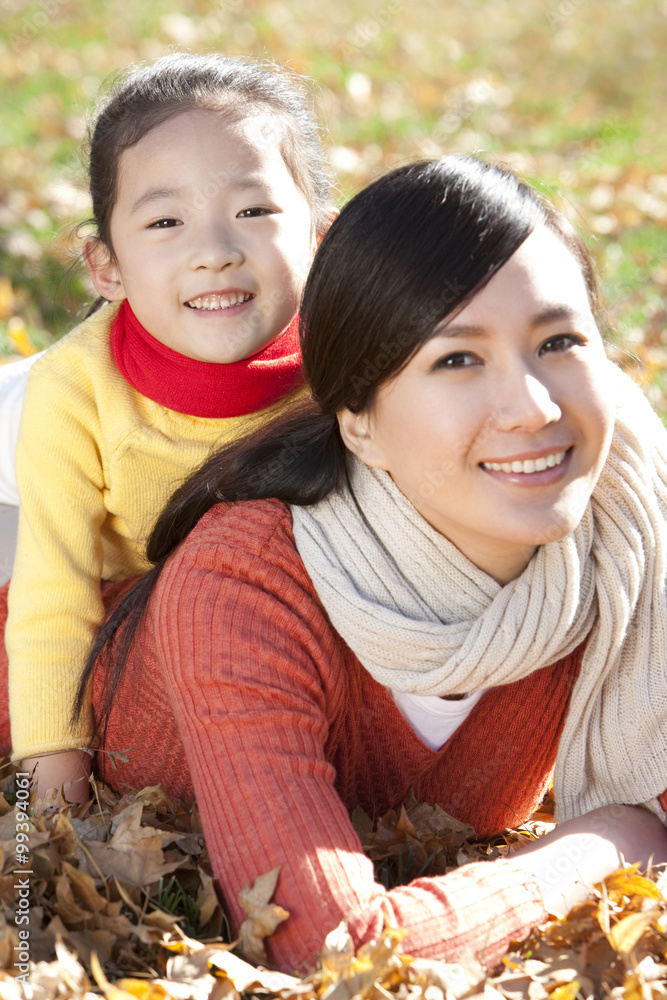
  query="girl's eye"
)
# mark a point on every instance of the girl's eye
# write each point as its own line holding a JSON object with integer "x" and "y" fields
{"x": 457, "y": 359}
{"x": 561, "y": 342}
{"x": 164, "y": 224}
{"x": 252, "y": 213}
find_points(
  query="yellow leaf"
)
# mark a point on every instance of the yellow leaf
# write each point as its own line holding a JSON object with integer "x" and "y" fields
{"x": 19, "y": 338}
{"x": 142, "y": 989}
{"x": 626, "y": 933}
{"x": 338, "y": 950}
{"x": 567, "y": 992}
{"x": 632, "y": 988}
{"x": 262, "y": 916}
{"x": 629, "y": 882}
{"x": 110, "y": 991}
{"x": 6, "y": 297}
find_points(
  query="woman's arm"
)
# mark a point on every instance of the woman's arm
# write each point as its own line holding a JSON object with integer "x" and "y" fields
{"x": 236, "y": 642}
{"x": 584, "y": 851}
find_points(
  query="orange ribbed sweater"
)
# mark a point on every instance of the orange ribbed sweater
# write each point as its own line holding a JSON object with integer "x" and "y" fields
{"x": 241, "y": 693}
{"x": 283, "y": 733}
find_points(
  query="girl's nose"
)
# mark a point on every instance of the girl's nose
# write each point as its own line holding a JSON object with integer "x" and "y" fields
{"x": 526, "y": 405}
{"x": 215, "y": 247}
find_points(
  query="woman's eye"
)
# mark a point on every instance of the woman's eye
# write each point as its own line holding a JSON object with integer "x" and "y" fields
{"x": 457, "y": 359}
{"x": 562, "y": 342}
{"x": 251, "y": 213}
{"x": 164, "y": 224}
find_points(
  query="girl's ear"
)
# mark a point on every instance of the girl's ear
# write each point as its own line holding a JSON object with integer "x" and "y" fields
{"x": 333, "y": 213}
{"x": 356, "y": 430}
{"x": 103, "y": 272}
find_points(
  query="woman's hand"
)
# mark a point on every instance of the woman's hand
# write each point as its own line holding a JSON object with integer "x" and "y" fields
{"x": 583, "y": 851}
{"x": 67, "y": 770}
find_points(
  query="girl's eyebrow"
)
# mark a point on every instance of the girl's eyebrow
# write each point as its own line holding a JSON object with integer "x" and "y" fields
{"x": 155, "y": 193}
{"x": 550, "y": 315}
{"x": 241, "y": 183}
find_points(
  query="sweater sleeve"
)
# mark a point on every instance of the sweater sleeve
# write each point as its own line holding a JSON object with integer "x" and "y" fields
{"x": 239, "y": 655}
{"x": 54, "y": 598}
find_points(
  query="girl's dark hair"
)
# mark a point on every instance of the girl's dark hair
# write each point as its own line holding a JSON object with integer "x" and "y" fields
{"x": 151, "y": 95}
{"x": 411, "y": 249}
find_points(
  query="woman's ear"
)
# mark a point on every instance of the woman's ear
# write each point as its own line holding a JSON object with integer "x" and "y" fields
{"x": 103, "y": 272}
{"x": 356, "y": 430}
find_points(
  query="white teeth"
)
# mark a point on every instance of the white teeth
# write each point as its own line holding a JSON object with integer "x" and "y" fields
{"x": 215, "y": 302}
{"x": 528, "y": 465}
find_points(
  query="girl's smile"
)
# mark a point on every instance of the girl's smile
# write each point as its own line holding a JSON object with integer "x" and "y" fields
{"x": 211, "y": 235}
{"x": 215, "y": 301}
{"x": 498, "y": 427}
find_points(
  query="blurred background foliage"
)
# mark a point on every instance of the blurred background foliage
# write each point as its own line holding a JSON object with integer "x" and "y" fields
{"x": 572, "y": 93}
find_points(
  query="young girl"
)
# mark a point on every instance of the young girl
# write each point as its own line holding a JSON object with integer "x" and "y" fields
{"x": 208, "y": 196}
{"x": 448, "y": 575}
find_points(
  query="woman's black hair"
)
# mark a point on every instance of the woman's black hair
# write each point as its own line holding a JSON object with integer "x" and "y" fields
{"x": 411, "y": 249}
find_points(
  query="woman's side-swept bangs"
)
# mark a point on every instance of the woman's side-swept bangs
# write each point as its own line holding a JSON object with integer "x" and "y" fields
{"x": 405, "y": 253}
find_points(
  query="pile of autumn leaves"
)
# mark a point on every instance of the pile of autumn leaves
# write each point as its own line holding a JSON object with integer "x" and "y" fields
{"x": 123, "y": 904}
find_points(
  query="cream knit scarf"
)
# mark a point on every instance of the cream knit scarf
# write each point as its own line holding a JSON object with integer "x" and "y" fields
{"x": 422, "y": 618}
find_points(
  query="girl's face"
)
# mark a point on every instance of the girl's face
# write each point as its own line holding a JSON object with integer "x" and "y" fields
{"x": 499, "y": 426}
{"x": 212, "y": 237}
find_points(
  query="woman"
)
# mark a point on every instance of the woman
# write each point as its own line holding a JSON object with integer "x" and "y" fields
{"x": 448, "y": 575}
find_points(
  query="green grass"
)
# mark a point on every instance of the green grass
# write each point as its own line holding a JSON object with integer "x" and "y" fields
{"x": 572, "y": 92}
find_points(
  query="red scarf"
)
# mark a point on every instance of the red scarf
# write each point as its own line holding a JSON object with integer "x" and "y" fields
{"x": 202, "y": 388}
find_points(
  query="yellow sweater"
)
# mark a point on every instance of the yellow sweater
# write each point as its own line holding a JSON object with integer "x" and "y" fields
{"x": 96, "y": 462}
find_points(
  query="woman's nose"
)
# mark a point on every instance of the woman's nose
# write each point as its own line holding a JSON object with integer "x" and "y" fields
{"x": 215, "y": 247}
{"x": 525, "y": 404}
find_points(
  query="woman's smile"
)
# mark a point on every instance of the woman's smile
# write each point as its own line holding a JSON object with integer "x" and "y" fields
{"x": 534, "y": 471}
{"x": 498, "y": 427}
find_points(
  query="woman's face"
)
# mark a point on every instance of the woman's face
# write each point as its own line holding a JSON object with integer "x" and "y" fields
{"x": 498, "y": 428}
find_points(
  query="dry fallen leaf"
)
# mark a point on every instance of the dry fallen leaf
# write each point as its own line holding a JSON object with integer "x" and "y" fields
{"x": 626, "y": 933}
{"x": 262, "y": 916}
{"x": 611, "y": 946}
{"x": 337, "y": 950}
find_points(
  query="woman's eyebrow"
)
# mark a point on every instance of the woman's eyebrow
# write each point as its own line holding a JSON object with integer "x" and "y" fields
{"x": 550, "y": 315}
{"x": 553, "y": 314}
